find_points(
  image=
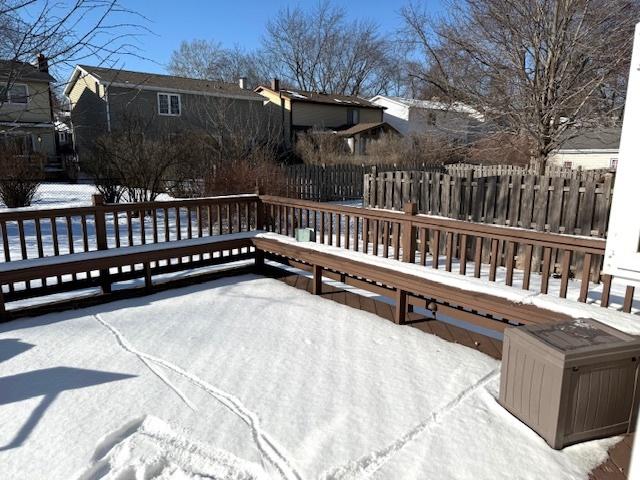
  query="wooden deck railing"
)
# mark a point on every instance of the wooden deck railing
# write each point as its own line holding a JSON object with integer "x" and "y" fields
{"x": 34, "y": 233}
{"x": 489, "y": 251}
{"x": 499, "y": 254}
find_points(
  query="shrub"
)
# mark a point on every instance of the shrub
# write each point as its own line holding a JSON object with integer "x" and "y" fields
{"x": 319, "y": 147}
{"x": 501, "y": 149}
{"x": 19, "y": 178}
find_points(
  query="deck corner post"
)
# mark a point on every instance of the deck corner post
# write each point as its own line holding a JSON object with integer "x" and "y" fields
{"x": 400, "y": 316}
{"x": 317, "y": 280}
{"x": 101, "y": 238}
{"x": 408, "y": 234}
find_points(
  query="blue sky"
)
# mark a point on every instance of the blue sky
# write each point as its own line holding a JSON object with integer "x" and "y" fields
{"x": 238, "y": 22}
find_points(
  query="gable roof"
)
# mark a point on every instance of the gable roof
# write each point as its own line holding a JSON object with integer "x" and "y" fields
{"x": 605, "y": 138}
{"x": 323, "y": 98}
{"x": 155, "y": 81}
{"x": 456, "y": 107}
{"x": 23, "y": 71}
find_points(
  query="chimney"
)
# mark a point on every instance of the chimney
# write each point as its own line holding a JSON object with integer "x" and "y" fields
{"x": 242, "y": 83}
{"x": 43, "y": 63}
{"x": 275, "y": 85}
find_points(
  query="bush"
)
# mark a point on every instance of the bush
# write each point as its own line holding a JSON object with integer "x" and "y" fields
{"x": 501, "y": 149}
{"x": 318, "y": 147}
{"x": 245, "y": 175}
{"x": 19, "y": 178}
{"x": 394, "y": 149}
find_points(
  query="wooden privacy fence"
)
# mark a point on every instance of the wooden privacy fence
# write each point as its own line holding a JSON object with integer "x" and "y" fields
{"x": 551, "y": 204}
{"x": 325, "y": 183}
{"x": 493, "y": 252}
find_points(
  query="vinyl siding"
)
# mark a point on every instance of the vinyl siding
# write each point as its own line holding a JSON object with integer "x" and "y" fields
{"x": 585, "y": 160}
{"x": 317, "y": 115}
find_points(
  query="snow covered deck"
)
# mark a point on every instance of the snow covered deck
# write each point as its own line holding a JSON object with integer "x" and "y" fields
{"x": 246, "y": 377}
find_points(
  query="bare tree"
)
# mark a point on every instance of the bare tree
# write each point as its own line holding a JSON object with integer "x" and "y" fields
{"x": 64, "y": 32}
{"x": 320, "y": 50}
{"x": 210, "y": 60}
{"x": 539, "y": 68}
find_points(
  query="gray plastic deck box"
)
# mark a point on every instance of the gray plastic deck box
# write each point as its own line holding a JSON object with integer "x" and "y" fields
{"x": 571, "y": 381}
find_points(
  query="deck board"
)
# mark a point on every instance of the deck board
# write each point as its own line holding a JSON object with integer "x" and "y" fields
{"x": 617, "y": 465}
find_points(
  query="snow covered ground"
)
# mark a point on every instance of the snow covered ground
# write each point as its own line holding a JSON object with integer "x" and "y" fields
{"x": 247, "y": 378}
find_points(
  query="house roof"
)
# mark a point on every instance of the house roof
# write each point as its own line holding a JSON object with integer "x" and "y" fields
{"x": 364, "y": 127}
{"x": 432, "y": 105}
{"x": 605, "y": 138}
{"x": 156, "y": 81}
{"x": 24, "y": 71}
{"x": 323, "y": 98}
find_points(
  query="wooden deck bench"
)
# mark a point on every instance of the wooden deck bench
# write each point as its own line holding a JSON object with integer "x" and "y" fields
{"x": 104, "y": 260}
{"x": 486, "y": 310}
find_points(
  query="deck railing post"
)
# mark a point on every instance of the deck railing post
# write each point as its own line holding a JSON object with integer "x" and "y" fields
{"x": 401, "y": 307}
{"x": 317, "y": 280}
{"x": 408, "y": 234}
{"x": 101, "y": 238}
{"x": 3, "y": 311}
{"x": 260, "y": 212}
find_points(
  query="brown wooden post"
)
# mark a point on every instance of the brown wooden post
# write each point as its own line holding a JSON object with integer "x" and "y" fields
{"x": 408, "y": 234}
{"x": 101, "y": 238}
{"x": 401, "y": 307}
{"x": 317, "y": 280}
{"x": 260, "y": 217}
{"x": 259, "y": 265}
{"x": 3, "y": 311}
{"x": 148, "y": 282}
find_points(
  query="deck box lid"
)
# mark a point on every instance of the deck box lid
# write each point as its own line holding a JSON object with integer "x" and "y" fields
{"x": 576, "y": 341}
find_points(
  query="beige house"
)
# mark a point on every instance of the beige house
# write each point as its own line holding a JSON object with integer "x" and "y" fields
{"x": 26, "y": 113}
{"x": 298, "y": 110}
{"x": 101, "y": 100}
{"x": 589, "y": 149}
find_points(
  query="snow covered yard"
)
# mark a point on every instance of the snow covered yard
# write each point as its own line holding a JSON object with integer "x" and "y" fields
{"x": 246, "y": 377}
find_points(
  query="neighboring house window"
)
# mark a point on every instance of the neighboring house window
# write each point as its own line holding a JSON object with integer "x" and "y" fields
{"x": 353, "y": 116}
{"x": 431, "y": 119}
{"x": 169, "y": 104}
{"x": 17, "y": 93}
{"x": 613, "y": 163}
{"x": 568, "y": 164}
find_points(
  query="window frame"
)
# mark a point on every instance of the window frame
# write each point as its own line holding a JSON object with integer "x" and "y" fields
{"x": 169, "y": 95}
{"x": 8, "y": 99}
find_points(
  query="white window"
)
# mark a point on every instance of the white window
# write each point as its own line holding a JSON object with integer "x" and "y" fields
{"x": 567, "y": 164}
{"x": 18, "y": 93}
{"x": 613, "y": 163}
{"x": 169, "y": 104}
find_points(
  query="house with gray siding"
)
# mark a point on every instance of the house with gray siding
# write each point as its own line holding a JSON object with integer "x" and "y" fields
{"x": 102, "y": 99}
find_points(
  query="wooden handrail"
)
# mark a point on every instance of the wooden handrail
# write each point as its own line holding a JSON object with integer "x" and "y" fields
{"x": 553, "y": 240}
